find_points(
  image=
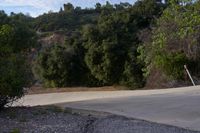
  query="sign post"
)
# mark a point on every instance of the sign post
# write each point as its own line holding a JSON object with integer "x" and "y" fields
{"x": 185, "y": 66}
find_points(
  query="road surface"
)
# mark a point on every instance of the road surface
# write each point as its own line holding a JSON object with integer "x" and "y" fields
{"x": 178, "y": 107}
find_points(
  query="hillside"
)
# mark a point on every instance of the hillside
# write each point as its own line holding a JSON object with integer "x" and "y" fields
{"x": 65, "y": 21}
{"x": 141, "y": 45}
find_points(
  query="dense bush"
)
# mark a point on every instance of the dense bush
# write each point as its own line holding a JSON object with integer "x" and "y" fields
{"x": 111, "y": 45}
{"x": 174, "y": 41}
{"x": 15, "y": 39}
{"x": 63, "y": 65}
{"x": 59, "y": 67}
{"x": 104, "y": 53}
{"x": 64, "y": 20}
{"x": 13, "y": 79}
{"x": 132, "y": 75}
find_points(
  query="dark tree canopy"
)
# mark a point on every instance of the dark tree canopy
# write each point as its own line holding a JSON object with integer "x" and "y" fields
{"x": 16, "y": 38}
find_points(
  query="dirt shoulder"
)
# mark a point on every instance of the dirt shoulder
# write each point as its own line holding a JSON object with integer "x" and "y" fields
{"x": 41, "y": 90}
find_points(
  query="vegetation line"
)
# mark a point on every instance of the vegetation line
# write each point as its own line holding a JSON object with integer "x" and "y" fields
{"x": 121, "y": 44}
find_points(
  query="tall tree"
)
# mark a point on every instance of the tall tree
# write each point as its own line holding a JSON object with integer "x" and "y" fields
{"x": 14, "y": 72}
{"x": 68, "y": 8}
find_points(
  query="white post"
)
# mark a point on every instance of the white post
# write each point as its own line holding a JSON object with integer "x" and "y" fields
{"x": 185, "y": 66}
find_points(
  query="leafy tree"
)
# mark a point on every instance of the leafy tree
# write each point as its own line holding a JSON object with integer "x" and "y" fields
{"x": 65, "y": 21}
{"x": 14, "y": 74}
{"x": 174, "y": 41}
{"x": 6, "y": 35}
{"x": 112, "y": 44}
{"x": 78, "y": 9}
{"x": 68, "y": 7}
{"x": 132, "y": 74}
{"x": 63, "y": 65}
{"x": 107, "y": 53}
{"x": 3, "y": 18}
{"x": 104, "y": 53}
{"x": 98, "y": 7}
{"x": 15, "y": 40}
{"x": 58, "y": 67}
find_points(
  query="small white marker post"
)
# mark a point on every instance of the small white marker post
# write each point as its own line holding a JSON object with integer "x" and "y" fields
{"x": 185, "y": 66}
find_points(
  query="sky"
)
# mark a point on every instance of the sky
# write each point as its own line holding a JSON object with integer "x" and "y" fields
{"x": 38, "y": 7}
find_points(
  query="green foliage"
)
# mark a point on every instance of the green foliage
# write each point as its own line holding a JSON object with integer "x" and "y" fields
{"x": 132, "y": 75}
{"x": 14, "y": 76}
{"x": 104, "y": 62}
{"x": 109, "y": 42}
{"x": 14, "y": 73}
{"x": 68, "y": 7}
{"x": 174, "y": 40}
{"x": 100, "y": 44}
{"x": 73, "y": 18}
{"x": 104, "y": 54}
{"x": 172, "y": 64}
{"x": 6, "y": 35}
{"x": 3, "y": 18}
{"x": 68, "y": 20}
{"x": 59, "y": 67}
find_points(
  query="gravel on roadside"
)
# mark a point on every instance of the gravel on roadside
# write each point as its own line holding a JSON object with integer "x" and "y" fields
{"x": 51, "y": 119}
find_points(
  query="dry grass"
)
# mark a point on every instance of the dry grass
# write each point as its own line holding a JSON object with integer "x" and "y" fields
{"x": 41, "y": 90}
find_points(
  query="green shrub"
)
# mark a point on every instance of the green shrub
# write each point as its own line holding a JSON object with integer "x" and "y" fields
{"x": 132, "y": 75}
{"x": 14, "y": 77}
{"x": 172, "y": 64}
{"x": 15, "y": 40}
{"x": 59, "y": 66}
{"x": 174, "y": 41}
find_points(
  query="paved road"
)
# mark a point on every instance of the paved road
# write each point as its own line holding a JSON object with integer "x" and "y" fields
{"x": 178, "y": 107}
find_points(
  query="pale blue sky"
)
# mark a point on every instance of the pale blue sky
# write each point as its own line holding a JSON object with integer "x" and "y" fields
{"x": 37, "y": 7}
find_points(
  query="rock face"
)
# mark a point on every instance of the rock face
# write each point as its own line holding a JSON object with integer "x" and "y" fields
{"x": 55, "y": 120}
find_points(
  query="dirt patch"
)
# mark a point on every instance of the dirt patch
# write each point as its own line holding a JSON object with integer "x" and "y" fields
{"x": 41, "y": 90}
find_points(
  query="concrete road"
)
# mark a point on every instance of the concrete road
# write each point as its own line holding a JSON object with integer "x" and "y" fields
{"x": 179, "y": 107}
